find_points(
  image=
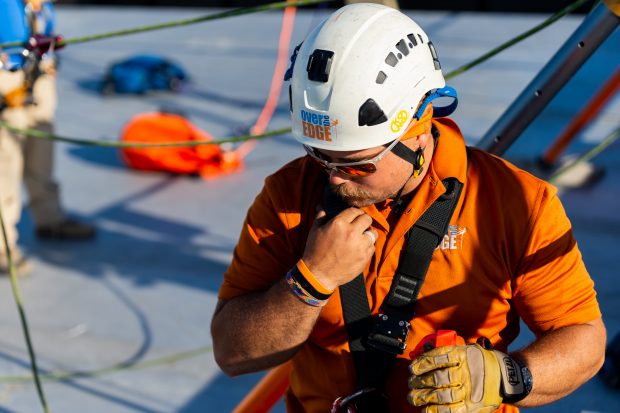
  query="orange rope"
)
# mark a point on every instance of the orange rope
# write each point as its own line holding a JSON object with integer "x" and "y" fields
{"x": 276, "y": 81}
{"x": 592, "y": 109}
{"x": 271, "y": 387}
{"x": 267, "y": 392}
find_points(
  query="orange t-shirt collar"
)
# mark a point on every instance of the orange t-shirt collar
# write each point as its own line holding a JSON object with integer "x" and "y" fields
{"x": 420, "y": 126}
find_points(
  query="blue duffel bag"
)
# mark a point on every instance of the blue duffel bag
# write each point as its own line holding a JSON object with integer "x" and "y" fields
{"x": 140, "y": 74}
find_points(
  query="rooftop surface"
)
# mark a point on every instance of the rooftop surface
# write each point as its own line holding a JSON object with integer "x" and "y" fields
{"x": 147, "y": 286}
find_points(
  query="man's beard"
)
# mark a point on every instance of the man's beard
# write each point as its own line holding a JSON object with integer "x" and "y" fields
{"x": 355, "y": 196}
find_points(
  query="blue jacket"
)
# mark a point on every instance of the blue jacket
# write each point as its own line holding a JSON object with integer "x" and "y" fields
{"x": 13, "y": 28}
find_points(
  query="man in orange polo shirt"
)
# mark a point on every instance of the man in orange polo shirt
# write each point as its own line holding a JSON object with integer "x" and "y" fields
{"x": 361, "y": 87}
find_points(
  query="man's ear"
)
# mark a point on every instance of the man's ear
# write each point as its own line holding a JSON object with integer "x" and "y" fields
{"x": 420, "y": 141}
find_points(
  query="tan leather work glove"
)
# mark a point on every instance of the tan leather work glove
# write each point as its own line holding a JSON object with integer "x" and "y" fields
{"x": 458, "y": 379}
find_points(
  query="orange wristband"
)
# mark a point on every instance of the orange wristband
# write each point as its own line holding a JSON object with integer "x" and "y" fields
{"x": 312, "y": 280}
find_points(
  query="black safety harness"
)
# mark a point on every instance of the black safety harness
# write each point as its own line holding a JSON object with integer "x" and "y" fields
{"x": 375, "y": 342}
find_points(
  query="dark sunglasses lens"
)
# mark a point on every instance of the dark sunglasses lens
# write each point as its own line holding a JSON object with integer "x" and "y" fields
{"x": 358, "y": 170}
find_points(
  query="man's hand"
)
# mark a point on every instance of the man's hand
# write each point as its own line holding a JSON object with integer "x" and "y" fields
{"x": 338, "y": 250}
{"x": 455, "y": 379}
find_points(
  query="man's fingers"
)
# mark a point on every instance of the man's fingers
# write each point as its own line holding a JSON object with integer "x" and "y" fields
{"x": 438, "y": 358}
{"x": 456, "y": 378}
{"x": 437, "y": 378}
{"x": 445, "y": 408}
{"x": 320, "y": 215}
{"x": 358, "y": 219}
{"x": 372, "y": 235}
{"x": 355, "y": 218}
{"x": 362, "y": 222}
{"x": 422, "y": 397}
{"x": 351, "y": 214}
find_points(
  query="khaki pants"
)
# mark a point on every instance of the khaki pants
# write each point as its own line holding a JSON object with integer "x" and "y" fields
{"x": 28, "y": 159}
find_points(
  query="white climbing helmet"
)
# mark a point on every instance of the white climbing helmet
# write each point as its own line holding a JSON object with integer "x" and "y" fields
{"x": 358, "y": 78}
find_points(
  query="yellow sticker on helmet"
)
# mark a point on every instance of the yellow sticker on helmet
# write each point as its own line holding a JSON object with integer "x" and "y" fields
{"x": 399, "y": 121}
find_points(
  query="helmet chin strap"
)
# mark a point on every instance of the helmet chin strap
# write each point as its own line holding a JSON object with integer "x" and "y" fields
{"x": 416, "y": 158}
{"x": 402, "y": 151}
{"x": 417, "y": 161}
{"x": 413, "y": 157}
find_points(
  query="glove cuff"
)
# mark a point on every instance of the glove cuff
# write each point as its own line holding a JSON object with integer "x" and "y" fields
{"x": 516, "y": 378}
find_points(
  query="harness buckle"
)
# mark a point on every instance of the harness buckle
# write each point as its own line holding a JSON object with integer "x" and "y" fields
{"x": 389, "y": 334}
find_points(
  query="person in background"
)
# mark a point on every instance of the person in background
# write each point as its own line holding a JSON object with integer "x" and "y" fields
{"x": 391, "y": 231}
{"x": 28, "y": 100}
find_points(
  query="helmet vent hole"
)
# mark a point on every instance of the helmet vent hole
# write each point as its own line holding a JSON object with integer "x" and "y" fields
{"x": 290, "y": 98}
{"x": 412, "y": 39}
{"x": 402, "y": 47}
{"x": 391, "y": 59}
{"x": 371, "y": 114}
{"x": 434, "y": 54}
{"x": 381, "y": 78}
{"x": 421, "y": 39}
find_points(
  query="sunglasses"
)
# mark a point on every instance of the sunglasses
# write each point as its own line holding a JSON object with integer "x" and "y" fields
{"x": 357, "y": 168}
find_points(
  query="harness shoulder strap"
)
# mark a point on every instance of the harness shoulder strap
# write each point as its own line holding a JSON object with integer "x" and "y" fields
{"x": 356, "y": 312}
{"x": 375, "y": 343}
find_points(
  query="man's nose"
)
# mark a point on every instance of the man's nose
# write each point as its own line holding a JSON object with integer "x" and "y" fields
{"x": 337, "y": 178}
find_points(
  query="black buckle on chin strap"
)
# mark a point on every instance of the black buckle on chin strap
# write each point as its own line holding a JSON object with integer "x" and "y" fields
{"x": 389, "y": 334}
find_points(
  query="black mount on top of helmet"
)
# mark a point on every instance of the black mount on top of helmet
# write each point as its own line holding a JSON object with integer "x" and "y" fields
{"x": 319, "y": 65}
{"x": 318, "y": 68}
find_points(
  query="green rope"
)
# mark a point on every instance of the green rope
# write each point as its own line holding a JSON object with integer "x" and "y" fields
{"x": 517, "y": 39}
{"x": 587, "y": 155}
{"x": 22, "y": 316}
{"x": 33, "y": 133}
{"x": 41, "y": 135}
{"x": 69, "y": 375}
{"x": 184, "y": 22}
{"x": 236, "y": 12}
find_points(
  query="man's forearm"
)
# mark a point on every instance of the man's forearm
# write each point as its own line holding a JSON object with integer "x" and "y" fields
{"x": 563, "y": 360}
{"x": 260, "y": 330}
